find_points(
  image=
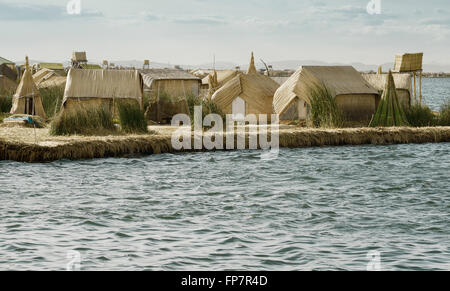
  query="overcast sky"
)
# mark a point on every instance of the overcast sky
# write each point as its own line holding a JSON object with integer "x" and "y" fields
{"x": 192, "y": 31}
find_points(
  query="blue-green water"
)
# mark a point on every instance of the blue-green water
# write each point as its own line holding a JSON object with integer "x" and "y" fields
{"x": 310, "y": 209}
{"x": 316, "y": 208}
{"x": 435, "y": 91}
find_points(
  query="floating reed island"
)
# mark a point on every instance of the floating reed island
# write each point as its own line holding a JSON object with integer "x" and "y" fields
{"x": 92, "y": 112}
{"x": 37, "y": 145}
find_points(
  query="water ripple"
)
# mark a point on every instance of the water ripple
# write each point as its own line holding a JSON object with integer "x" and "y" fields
{"x": 310, "y": 209}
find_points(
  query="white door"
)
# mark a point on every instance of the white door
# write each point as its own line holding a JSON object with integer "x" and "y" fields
{"x": 302, "y": 109}
{"x": 238, "y": 108}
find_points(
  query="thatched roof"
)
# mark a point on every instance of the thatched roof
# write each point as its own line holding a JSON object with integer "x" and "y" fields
{"x": 222, "y": 77}
{"x": 5, "y": 61}
{"x": 251, "y": 67}
{"x": 280, "y": 80}
{"x": 340, "y": 80}
{"x": 103, "y": 84}
{"x": 27, "y": 89}
{"x": 46, "y": 78}
{"x": 54, "y": 81}
{"x": 6, "y": 71}
{"x": 79, "y": 56}
{"x": 41, "y": 74}
{"x": 257, "y": 90}
{"x": 408, "y": 62}
{"x": 51, "y": 66}
{"x": 201, "y": 73}
{"x": 151, "y": 75}
{"x": 91, "y": 66}
{"x": 378, "y": 81}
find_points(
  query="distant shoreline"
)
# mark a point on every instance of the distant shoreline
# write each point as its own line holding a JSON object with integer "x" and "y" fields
{"x": 436, "y": 75}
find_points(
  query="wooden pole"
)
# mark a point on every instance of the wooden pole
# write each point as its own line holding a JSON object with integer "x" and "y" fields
{"x": 415, "y": 89}
{"x": 158, "y": 113}
{"x": 420, "y": 88}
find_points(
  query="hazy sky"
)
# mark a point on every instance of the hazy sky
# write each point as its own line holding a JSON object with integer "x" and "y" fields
{"x": 191, "y": 31}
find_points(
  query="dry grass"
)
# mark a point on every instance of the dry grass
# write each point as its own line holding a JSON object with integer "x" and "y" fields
{"x": 83, "y": 121}
{"x": 19, "y": 144}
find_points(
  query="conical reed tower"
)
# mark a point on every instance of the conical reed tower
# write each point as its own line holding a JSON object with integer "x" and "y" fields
{"x": 389, "y": 112}
{"x": 252, "y": 68}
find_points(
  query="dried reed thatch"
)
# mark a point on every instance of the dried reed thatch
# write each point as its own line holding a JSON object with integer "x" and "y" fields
{"x": 354, "y": 96}
{"x": 79, "y": 56}
{"x": 402, "y": 82}
{"x": 94, "y": 87}
{"x": 256, "y": 90}
{"x": 7, "y": 71}
{"x": 408, "y": 62}
{"x": 27, "y": 99}
{"x": 252, "y": 68}
{"x": 389, "y": 112}
{"x": 46, "y": 78}
{"x": 75, "y": 148}
{"x": 167, "y": 92}
{"x": 219, "y": 78}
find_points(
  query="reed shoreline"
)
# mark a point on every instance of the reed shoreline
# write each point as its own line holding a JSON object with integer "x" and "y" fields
{"x": 48, "y": 149}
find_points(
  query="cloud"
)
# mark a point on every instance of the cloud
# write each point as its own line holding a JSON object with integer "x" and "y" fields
{"x": 41, "y": 12}
{"x": 200, "y": 20}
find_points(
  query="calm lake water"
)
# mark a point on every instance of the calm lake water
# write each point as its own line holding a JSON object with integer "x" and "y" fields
{"x": 310, "y": 209}
{"x": 436, "y": 91}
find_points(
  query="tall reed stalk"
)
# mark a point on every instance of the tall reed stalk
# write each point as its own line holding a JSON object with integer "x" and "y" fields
{"x": 83, "y": 121}
{"x": 132, "y": 118}
{"x": 324, "y": 110}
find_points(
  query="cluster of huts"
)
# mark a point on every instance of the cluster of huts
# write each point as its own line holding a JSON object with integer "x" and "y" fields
{"x": 167, "y": 90}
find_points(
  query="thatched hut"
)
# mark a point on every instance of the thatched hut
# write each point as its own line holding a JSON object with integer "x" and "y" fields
{"x": 102, "y": 88}
{"x": 172, "y": 82}
{"x": 27, "y": 99}
{"x": 245, "y": 94}
{"x": 47, "y": 78}
{"x": 354, "y": 96}
{"x": 167, "y": 91}
{"x": 402, "y": 82}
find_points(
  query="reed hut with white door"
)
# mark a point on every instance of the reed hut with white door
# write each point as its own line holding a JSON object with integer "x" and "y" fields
{"x": 245, "y": 94}
{"x": 357, "y": 99}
